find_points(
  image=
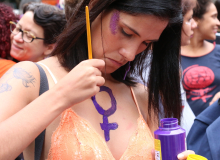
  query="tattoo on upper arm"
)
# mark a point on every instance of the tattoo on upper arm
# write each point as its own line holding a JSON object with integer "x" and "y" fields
{"x": 20, "y": 74}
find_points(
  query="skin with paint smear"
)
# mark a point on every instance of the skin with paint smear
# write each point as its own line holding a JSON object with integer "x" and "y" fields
{"x": 106, "y": 126}
{"x": 114, "y": 22}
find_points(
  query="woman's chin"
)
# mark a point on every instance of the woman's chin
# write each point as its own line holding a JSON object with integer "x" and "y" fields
{"x": 108, "y": 70}
{"x": 15, "y": 55}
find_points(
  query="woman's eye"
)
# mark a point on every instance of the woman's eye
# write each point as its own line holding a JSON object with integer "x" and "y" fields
{"x": 124, "y": 33}
{"x": 145, "y": 43}
{"x": 215, "y": 16}
{"x": 17, "y": 29}
{"x": 190, "y": 19}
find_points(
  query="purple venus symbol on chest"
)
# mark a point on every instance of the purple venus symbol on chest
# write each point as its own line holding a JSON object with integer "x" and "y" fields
{"x": 106, "y": 126}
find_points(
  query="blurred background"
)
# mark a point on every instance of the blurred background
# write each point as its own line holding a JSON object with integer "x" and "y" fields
{"x": 17, "y": 4}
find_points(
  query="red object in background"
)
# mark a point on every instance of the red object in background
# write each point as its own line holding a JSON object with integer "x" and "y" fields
{"x": 197, "y": 77}
{"x": 51, "y": 2}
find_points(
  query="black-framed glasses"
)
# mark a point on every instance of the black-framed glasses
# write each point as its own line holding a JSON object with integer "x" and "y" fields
{"x": 26, "y": 36}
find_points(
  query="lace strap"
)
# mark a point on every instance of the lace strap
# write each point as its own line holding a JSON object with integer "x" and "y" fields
{"x": 135, "y": 100}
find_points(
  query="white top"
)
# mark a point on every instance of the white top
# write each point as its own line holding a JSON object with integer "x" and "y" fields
{"x": 53, "y": 77}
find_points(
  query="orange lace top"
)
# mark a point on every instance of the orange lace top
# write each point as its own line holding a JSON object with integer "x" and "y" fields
{"x": 75, "y": 139}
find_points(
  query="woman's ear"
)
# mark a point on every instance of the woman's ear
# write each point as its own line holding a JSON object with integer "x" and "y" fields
{"x": 49, "y": 49}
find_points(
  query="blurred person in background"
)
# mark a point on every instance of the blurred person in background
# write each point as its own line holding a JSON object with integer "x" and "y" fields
{"x": 217, "y": 4}
{"x": 34, "y": 37}
{"x": 6, "y": 63}
{"x": 7, "y": 15}
{"x": 189, "y": 25}
{"x": 200, "y": 59}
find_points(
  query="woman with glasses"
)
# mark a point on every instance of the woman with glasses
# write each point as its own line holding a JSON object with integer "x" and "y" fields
{"x": 33, "y": 37}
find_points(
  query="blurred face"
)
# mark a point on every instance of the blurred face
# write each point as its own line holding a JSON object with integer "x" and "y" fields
{"x": 208, "y": 25}
{"x": 22, "y": 50}
{"x": 123, "y": 36}
{"x": 187, "y": 30}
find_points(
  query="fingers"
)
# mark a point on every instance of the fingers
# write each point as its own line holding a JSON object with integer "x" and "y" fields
{"x": 215, "y": 98}
{"x": 97, "y": 72}
{"x": 153, "y": 154}
{"x": 184, "y": 155}
{"x": 100, "y": 81}
{"x": 211, "y": 103}
{"x": 97, "y": 63}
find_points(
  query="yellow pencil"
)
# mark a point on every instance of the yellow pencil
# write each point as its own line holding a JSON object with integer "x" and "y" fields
{"x": 88, "y": 33}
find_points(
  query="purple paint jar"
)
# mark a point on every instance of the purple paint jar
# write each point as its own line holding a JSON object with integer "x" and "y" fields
{"x": 169, "y": 140}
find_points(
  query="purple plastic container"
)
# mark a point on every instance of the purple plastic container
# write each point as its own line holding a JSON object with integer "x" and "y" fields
{"x": 169, "y": 140}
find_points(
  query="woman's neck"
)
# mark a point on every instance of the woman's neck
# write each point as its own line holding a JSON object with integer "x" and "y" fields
{"x": 197, "y": 42}
{"x": 197, "y": 48}
{"x": 108, "y": 77}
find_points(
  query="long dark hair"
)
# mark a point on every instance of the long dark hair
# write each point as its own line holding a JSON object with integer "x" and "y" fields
{"x": 164, "y": 80}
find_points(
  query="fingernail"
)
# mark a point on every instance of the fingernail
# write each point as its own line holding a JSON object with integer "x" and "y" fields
{"x": 180, "y": 156}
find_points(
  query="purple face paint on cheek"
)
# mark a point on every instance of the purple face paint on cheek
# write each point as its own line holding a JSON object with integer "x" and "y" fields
{"x": 114, "y": 22}
{"x": 106, "y": 126}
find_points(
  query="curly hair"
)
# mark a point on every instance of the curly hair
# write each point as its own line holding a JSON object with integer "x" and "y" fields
{"x": 7, "y": 15}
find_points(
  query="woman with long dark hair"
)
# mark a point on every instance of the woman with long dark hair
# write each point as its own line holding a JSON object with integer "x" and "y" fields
{"x": 105, "y": 113}
{"x": 189, "y": 25}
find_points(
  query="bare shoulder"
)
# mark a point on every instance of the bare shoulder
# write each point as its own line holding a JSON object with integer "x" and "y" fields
{"x": 141, "y": 93}
{"x": 22, "y": 74}
{"x": 18, "y": 87}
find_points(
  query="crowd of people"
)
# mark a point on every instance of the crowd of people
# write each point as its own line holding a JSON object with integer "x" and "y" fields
{"x": 151, "y": 60}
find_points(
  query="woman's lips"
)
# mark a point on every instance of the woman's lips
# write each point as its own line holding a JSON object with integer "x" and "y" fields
{"x": 14, "y": 46}
{"x": 115, "y": 62}
{"x": 215, "y": 30}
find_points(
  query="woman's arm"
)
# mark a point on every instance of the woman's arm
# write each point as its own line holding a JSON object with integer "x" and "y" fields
{"x": 24, "y": 115}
